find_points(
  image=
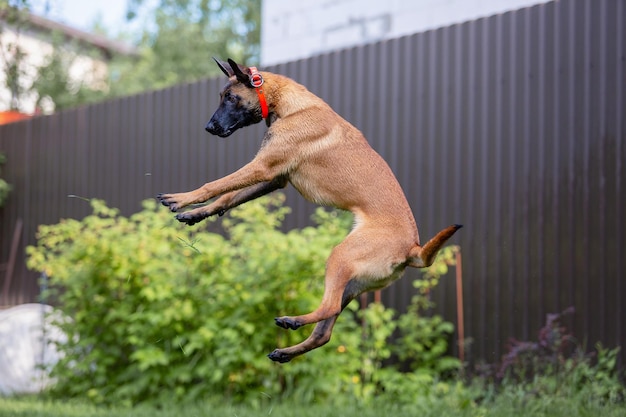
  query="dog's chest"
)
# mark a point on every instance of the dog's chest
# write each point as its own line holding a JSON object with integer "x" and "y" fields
{"x": 311, "y": 189}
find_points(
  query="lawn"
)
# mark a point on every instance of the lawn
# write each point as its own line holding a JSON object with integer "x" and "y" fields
{"x": 504, "y": 406}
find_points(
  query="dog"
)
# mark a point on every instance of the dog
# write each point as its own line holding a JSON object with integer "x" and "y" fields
{"x": 330, "y": 163}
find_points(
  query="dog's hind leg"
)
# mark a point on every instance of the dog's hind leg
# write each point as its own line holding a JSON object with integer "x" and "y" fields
{"x": 352, "y": 268}
{"x": 319, "y": 337}
{"x": 338, "y": 274}
{"x": 321, "y": 333}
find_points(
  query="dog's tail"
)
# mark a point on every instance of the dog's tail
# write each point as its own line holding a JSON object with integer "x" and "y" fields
{"x": 424, "y": 256}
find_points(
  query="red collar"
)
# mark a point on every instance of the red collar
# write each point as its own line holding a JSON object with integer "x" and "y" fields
{"x": 256, "y": 80}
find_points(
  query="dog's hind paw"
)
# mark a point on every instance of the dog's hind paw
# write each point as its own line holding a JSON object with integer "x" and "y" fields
{"x": 279, "y": 356}
{"x": 287, "y": 323}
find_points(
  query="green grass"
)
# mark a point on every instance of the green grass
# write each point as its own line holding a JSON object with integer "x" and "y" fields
{"x": 504, "y": 406}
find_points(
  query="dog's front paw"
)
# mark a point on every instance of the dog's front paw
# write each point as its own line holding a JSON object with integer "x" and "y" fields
{"x": 279, "y": 356}
{"x": 190, "y": 218}
{"x": 169, "y": 200}
{"x": 287, "y": 323}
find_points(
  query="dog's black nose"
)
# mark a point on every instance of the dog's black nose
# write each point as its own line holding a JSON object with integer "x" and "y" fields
{"x": 214, "y": 127}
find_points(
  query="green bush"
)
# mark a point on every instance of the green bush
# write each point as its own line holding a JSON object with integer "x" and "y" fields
{"x": 556, "y": 365}
{"x": 421, "y": 342}
{"x": 586, "y": 386}
{"x": 162, "y": 312}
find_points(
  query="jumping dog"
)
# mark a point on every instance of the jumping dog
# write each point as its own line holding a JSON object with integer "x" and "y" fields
{"x": 330, "y": 163}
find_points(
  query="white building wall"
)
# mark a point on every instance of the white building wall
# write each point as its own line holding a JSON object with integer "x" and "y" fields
{"x": 292, "y": 30}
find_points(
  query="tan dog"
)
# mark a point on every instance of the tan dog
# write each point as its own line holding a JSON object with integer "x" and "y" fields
{"x": 329, "y": 162}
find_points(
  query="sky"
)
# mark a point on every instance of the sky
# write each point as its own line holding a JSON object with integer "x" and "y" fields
{"x": 82, "y": 14}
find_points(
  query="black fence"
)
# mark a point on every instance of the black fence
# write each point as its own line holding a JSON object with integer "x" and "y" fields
{"x": 513, "y": 125}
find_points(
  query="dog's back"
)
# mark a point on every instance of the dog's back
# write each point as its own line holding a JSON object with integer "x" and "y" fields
{"x": 334, "y": 165}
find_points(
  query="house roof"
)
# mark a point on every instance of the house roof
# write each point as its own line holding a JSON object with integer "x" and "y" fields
{"x": 108, "y": 46}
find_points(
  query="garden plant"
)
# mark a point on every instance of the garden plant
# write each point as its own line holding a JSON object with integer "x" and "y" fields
{"x": 159, "y": 312}
{"x": 163, "y": 317}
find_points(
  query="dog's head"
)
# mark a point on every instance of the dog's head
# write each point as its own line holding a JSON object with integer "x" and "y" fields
{"x": 239, "y": 102}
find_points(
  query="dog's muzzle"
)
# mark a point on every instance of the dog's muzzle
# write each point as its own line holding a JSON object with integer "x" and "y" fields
{"x": 215, "y": 129}
{"x": 211, "y": 127}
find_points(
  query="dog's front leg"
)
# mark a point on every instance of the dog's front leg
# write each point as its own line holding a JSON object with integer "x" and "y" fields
{"x": 253, "y": 173}
{"x": 231, "y": 200}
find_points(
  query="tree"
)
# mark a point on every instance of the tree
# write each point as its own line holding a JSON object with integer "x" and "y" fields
{"x": 54, "y": 84}
{"x": 47, "y": 81}
{"x": 181, "y": 36}
{"x": 176, "y": 44}
{"x": 12, "y": 56}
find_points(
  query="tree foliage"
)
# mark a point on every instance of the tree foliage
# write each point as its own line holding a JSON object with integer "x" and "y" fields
{"x": 12, "y": 55}
{"x": 34, "y": 76}
{"x": 180, "y": 37}
{"x": 54, "y": 87}
{"x": 176, "y": 41}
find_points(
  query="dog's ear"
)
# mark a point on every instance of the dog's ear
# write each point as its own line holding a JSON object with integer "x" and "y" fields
{"x": 224, "y": 67}
{"x": 242, "y": 73}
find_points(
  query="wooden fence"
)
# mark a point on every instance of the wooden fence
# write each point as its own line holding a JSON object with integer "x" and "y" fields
{"x": 513, "y": 125}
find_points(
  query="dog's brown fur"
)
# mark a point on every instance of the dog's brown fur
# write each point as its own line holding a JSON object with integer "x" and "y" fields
{"x": 330, "y": 163}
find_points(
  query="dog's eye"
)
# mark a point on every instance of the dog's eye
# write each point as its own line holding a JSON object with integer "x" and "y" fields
{"x": 229, "y": 98}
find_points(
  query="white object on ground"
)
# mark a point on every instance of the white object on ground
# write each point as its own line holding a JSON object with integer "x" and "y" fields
{"x": 26, "y": 351}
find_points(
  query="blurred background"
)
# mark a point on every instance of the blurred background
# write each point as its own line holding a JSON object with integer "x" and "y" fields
{"x": 61, "y": 53}
{"x": 504, "y": 115}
